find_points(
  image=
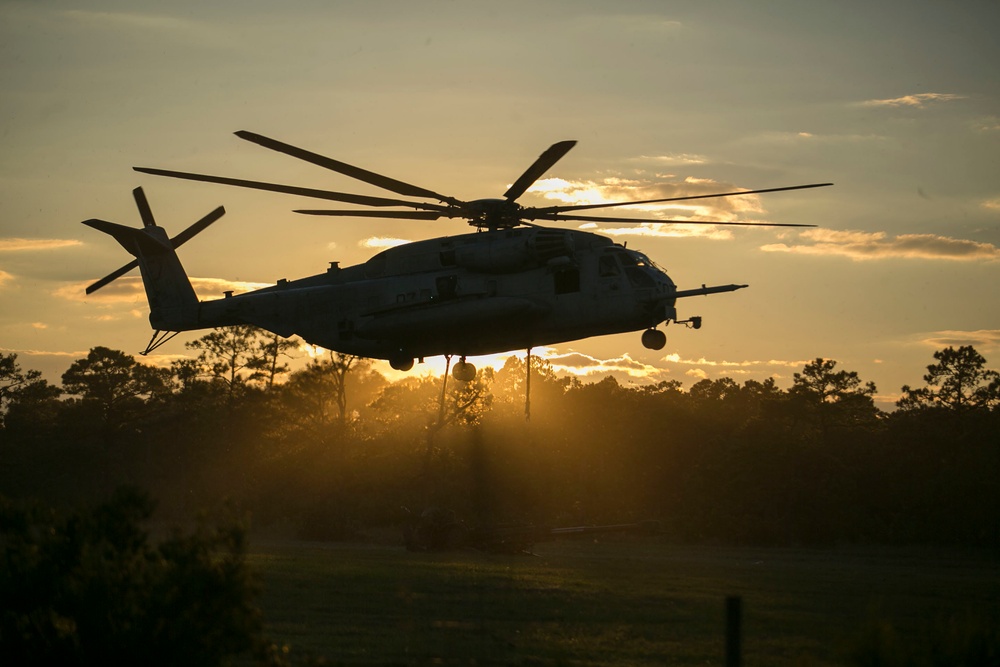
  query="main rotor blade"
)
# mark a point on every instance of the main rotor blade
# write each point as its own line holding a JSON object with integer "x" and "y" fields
{"x": 544, "y": 162}
{"x": 114, "y": 275}
{"x": 345, "y": 197}
{"x": 145, "y": 212}
{"x": 197, "y": 227}
{"x": 639, "y": 221}
{"x": 562, "y": 209}
{"x": 409, "y": 215}
{"x": 391, "y": 184}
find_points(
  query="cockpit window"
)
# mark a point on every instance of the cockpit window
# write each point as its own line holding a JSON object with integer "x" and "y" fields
{"x": 626, "y": 258}
{"x": 632, "y": 258}
{"x": 608, "y": 267}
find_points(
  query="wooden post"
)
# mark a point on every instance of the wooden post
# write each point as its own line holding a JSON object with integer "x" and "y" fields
{"x": 527, "y": 386}
{"x": 734, "y": 613}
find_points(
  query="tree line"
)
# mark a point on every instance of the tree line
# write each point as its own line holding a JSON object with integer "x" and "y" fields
{"x": 334, "y": 448}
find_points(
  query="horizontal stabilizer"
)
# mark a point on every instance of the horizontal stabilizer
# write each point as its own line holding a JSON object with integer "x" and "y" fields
{"x": 135, "y": 241}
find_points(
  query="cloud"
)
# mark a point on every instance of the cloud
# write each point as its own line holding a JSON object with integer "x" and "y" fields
{"x": 133, "y": 21}
{"x": 992, "y": 204}
{"x": 5, "y": 278}
{"x": 673, "y": 159}
{"x": 44, "y": 353}
{"x": 655, "y": 24}
{"x": 878, "y": 245}
{"x": 20, "y": 245}
{"x": 918, "y": 100}
{"x": 583, "y": 365}
{"x": 981, "y": 339}
{"x": 811, "y": 138}
{"x": 987, "y": 124}
{"x": 218, "y": 286}
{"x": 382, "y": 242}
{"x": 676, "y": 359}
{"x": 663, "y": 230}
{"x": 129, "y": 289}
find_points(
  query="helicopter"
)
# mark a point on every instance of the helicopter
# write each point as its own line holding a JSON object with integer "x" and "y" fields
{"x": 511, "y": 284}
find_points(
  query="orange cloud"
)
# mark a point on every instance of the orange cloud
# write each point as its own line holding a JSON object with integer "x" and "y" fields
{"x": 583, "y": 365}
{"x": 5, "y": 277}
{"x": 382, "y": 242}
{"x": 981, "y": 339}
{"x": 129, "y": 289}
{"x": 878, "y": 245}
{"x": 676, "y": 359}
{"x": 917, "y": 100}
{"x": 20, "y": 245}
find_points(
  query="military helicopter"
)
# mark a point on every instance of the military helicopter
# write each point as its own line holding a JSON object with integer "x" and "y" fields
{"x": 511, "y": 284}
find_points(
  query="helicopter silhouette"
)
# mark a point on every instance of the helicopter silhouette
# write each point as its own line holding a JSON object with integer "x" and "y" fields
{"x": 512, "y": 284}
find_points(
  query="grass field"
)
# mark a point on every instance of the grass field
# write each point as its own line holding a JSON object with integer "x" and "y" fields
{"x": 616, "y": 602}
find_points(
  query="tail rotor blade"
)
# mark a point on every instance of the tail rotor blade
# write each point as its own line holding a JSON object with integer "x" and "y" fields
{"x": 144, "y": 211}
{"x": 197, "y": 227}
{"x": 114, "y": 275}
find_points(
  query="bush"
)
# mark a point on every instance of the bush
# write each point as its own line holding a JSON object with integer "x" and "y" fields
{"x": 88, "y": 587}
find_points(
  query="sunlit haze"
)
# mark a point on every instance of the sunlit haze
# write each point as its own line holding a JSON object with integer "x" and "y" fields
{"x": 896, "y": 103}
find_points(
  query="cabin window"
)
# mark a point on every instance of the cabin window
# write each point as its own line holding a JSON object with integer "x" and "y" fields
{"x": 447, "y": 287}
{"x": 567, "y": 281}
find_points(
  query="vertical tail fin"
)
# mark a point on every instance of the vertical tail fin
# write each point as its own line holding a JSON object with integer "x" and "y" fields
{"x": 172, "y": 301}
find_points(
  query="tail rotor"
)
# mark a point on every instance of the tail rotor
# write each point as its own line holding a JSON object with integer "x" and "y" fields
{"x": 156, "y": 234}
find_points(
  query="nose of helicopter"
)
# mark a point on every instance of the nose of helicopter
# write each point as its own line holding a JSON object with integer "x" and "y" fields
{"x": 663, "y": 282}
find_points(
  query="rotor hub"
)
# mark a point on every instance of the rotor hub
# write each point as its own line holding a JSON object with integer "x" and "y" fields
{"x": 493, "y": 213}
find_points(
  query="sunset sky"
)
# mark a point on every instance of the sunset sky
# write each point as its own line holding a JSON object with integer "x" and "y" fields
{"x": 897, "y": 103}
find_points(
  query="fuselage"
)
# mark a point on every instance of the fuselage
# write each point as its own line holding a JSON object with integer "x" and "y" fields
{"x": 472, "y": 294}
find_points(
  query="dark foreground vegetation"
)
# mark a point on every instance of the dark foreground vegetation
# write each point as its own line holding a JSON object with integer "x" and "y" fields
{"x": 93, "y": 587}
{"x": 336, "y": 452}
{"x": 334, "y": 449}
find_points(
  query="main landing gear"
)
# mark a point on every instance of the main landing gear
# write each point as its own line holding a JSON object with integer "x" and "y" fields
{"x": 463, "y": 371}
{"x": 401, "y": 363}
{"x": 654, "y": 339}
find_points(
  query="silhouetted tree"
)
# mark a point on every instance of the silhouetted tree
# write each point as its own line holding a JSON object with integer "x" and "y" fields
{"x": 837, "y": 398}
{"x": 229, "y": 355}
{"x": 114, "y": 384}
{"x": 959, "y": 380}
{"x": 316, "y": 397}
{"x": 24, "y": 392}
{"x": 270, "y": 348}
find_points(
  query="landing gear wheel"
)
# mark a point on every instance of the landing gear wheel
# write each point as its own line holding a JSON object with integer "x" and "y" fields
{"x": 401, "y": 363}
{"x": 654, "y": 339}
{"x": 463, "y": 371}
